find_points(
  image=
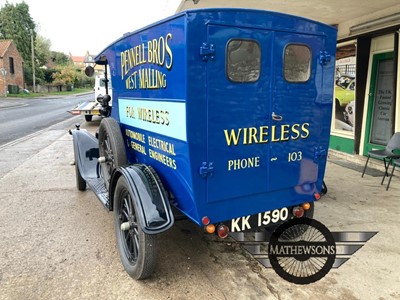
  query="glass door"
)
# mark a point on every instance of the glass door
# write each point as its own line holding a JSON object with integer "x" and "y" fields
{"x": 380, "y": 117}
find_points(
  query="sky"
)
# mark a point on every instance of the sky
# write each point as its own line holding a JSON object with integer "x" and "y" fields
{"x": 77, "y": 26}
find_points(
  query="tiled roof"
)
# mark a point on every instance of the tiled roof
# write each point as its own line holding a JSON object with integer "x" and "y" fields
{"x": 78, "y": 58}
{"x": 4, "y": 44}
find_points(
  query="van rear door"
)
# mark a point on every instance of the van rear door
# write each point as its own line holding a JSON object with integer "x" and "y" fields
{"x": 295, "y": 111}
{"x": 238, "y": 99}
{"x": 262, "y": 115}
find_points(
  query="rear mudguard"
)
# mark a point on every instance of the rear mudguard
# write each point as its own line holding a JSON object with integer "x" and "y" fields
{"x": 150, "y": 198}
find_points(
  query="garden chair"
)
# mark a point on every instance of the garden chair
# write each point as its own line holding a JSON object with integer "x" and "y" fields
{"x": 387, "y": 154}
{"x": 395, "y": 162}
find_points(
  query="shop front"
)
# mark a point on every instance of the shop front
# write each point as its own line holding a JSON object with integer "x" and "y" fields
{"x": 366, "y": 106}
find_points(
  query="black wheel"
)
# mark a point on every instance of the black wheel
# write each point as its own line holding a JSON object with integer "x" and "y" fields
{"x": 324, "y": 189}
{"x": 137, "y": 250}
{"x": 111, "y": 147}
{"x": 88, "y": 118}
{"x": 80, "y": 182}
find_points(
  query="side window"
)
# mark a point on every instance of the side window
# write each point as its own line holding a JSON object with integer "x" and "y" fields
{"x": 243, "y": 60}
{"x": 297, "y": 63}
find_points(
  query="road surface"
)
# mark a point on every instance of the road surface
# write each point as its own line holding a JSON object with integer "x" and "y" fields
{"x": 22, "y": 117}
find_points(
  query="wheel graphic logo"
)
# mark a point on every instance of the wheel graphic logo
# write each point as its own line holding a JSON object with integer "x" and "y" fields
{"x": 302, "y": 250}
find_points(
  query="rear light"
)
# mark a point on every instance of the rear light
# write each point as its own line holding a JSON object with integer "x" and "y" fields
{"x": 298, "y": 211}
{"x": 306, "y": 206}
{"x": 205, "y": 220}
{"x": 223, "y": 231}
{"x": 317, "y": 196}
{"x": 210, "y": 228}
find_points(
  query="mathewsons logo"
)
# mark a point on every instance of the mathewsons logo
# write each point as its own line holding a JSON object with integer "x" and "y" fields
{"x": 302, "y": 250}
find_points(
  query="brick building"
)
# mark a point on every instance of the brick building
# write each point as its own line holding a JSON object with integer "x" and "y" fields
{"x": 11, "y": 64}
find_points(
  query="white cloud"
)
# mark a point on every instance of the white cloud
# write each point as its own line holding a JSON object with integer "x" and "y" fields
{"x": 77, "y": 26}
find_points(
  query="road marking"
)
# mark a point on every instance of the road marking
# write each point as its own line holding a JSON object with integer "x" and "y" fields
{"x": 14, "y": 106}
{"x": 36, "y": 133}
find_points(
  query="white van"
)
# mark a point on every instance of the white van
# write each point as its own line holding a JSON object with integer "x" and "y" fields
{"x": 100, "y": 87}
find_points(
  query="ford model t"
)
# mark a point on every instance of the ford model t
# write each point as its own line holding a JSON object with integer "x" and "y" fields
{"x": 222, "y": 115}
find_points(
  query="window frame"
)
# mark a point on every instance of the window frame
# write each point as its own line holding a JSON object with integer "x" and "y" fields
{"x": 227, "y": 59}
{"x": 284, "y": 60}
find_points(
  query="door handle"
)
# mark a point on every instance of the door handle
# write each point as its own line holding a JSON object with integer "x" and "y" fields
{"x": 276, "y": 117}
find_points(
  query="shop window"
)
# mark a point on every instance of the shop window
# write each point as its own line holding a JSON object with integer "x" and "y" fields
{"x": 297, "y": 63}
{"x": 243, "y": 60}
{"x": 345, "y": 89}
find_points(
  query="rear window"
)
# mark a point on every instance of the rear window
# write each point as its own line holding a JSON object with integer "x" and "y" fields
{"x": 297, "y": 63}
{"x": 243, "y": 60}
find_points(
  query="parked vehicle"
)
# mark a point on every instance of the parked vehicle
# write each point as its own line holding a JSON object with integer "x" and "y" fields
{"x": 345, "y": 90}
{"x": 220, "y": 115}
{"x": 92, "y": 108}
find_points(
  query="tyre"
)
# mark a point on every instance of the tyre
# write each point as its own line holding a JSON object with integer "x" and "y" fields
{"x": 88, "y": 118}
{"x": 137, "y": 250}
{"x": 111, "y": 147}
{"x": 80, "y": 182}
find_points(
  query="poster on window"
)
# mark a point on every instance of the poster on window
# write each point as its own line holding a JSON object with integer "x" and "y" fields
{"x": 382, "y": 120}
{"x": 345, "y": 88}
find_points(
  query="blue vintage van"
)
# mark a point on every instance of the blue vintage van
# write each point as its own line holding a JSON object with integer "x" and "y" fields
{"x": 221, "y": 115}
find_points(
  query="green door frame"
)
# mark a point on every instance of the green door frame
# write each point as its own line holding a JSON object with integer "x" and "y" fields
{"x": 376, "y": 59}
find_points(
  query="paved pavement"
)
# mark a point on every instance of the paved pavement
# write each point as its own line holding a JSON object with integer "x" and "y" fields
{"x": 58, "y": 243}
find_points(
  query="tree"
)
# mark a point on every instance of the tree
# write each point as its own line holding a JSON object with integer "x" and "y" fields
{"x": 42, "y": 50}
{"x": 65, "y": 75}
{"x": 16, "y": 24}
{"x": 59, "y": 58}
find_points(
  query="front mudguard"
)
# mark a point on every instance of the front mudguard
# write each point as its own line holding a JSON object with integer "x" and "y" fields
{"x": 152, "y": 202}
{"x": 86, "y": 152}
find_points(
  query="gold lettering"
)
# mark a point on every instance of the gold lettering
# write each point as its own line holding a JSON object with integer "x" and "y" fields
{"x": 243, "y": 163}
{"x": 161, "y": 55}
{"x": 304, "y": 127}
{"x": 296, "y": 131}
{"x": 130, "y": 112}
{"x": 139, "y": 148}
{"x": 149, "y": 52}
{"x": 155, "y": 48}
{"x": 123, "y": 64}
{"x": 273, "y": 133}
{"x": 252, "y": 135}
{"x": 232, "y": 137}
{"x": 168, "y": 65}
{"x": 285, "y": 133}
{"x": 169, "y": 162}
{"x": 263, "y": 134}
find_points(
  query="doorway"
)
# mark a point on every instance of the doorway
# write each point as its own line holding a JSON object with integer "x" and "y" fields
{"x": 380, "y": 114}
